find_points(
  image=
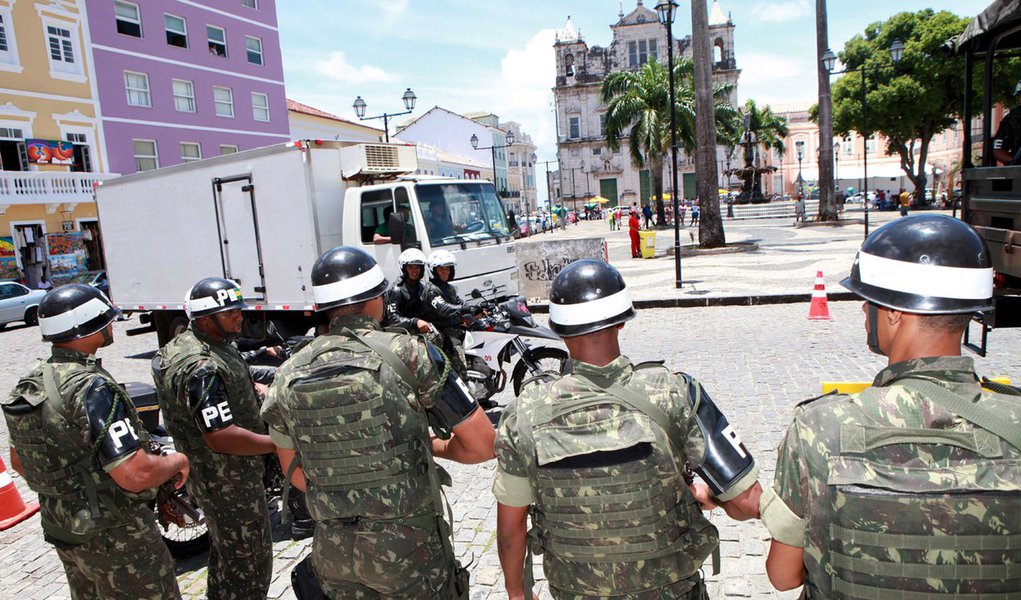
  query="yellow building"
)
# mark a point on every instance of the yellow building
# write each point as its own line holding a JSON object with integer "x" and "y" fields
{"x": 51, "y": 143}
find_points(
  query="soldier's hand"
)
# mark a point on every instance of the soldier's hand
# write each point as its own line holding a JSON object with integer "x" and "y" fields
{"x": 701, "y": 493}
{"x": 184, "y": 469}
{"x": 424, "y": 326}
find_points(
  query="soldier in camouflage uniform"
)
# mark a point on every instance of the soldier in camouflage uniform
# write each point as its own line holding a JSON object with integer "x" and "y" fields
{"x": 350, "y": 414}
{"x": 78, "y": 442}
{"x": 210, "y": 406}
{"x": 909, "y": 489}
{"x": 597, "y": 458}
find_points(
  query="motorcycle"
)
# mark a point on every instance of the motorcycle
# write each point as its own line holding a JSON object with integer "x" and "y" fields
{"x": 496, "y": 336}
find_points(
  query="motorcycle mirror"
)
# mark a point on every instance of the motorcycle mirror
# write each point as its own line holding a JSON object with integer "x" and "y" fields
{"x": 476, "y": 294}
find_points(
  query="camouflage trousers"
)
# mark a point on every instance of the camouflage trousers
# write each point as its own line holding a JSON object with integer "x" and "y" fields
{"x": 241, "y": 541}
{"x": 130, "y": 562}
{"x": 692, "y": 588}
{"x": 377, "y": 560}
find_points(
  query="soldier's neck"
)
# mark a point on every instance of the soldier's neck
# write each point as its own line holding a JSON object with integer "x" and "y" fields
{"x": 599, "y": 348}
{"x": 84, "y": 345}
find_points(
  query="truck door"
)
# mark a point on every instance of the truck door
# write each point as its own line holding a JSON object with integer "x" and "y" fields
{"x": 376, "y": 207}
{"x": 237, "y": 222}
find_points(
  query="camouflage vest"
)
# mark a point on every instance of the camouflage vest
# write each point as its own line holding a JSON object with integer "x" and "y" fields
{"x": 79, "y": 499}
{"x": 362, "y": 445}
{"x": 176, "y": 360}
{"x": 627, "y": 517}
{"x": 924, "y": 513}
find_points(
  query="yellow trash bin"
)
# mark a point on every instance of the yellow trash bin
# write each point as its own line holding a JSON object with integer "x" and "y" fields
{"x": 648, "y": 243}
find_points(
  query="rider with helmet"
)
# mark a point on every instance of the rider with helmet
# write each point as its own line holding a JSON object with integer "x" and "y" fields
{"x": 77, "y": 440}
{"x": 405, "y": 307}
{"x": 350, "y": 414}
{"x": 909, "y": 488}
{"x": 593, "y": 455}
{"x": 445, "y": 309}
{"x": 211, "y": 408}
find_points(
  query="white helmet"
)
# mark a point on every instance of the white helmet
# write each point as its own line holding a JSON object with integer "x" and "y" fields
{"x": 442, "y": 258}
{"x": 412, "y": 256}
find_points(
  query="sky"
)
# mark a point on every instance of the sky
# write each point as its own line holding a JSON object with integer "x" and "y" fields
{"x": 497, "y": 55}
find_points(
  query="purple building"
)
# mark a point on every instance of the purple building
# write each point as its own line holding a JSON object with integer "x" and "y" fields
{"x": 184, "y": 80}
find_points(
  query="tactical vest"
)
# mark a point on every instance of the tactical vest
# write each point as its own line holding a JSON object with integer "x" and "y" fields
{"x": 946, "y": 525}
{"x": 636, "y": 511}
{"x": 362, "y": 445}
{"x": 176, "y": 358}
{"x": 79, "y": 500}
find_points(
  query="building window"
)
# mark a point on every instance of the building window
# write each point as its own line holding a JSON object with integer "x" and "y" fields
{"x": 228, "y": 149}
{"x": 177, "y": 33}
{"x": 217, "y": 40}
{"x": 145, "y": 155}
{"x": 250, "y": 4}
{"x": 129, "y": 21}
{"x": 602, "y": 124}
{"x": 223, "y": 98}
{"x": 574, "y": 128}
{"x": 640, "y": 51}
{"x": 184, "y": 96}
{"x": 597, "y": 151}
{"x": 3, "y": 35}
{"x": 870, "y": 145}
{"x": 260, "y": 106}
{"x": 61, "y": 49}
{"x": 137, "y": 86}
{"x": 190, "y": 152}
{"x": 8, "y": 46}
{"x": 254, "y": 47}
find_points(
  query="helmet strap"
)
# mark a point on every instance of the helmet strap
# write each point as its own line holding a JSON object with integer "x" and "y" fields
{"x": 873, "y": 326}
{"x": 107, "y": 337}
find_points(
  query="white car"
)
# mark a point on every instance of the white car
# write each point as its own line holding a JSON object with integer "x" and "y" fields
{"x": 18, "y": 303}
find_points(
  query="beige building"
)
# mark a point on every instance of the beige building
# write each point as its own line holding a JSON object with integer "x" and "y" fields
{"x": 587, "y": 167}
{"x": 51, "y": 141}
{"x": 521, "y": 191}
{"x": 308, "y": 123}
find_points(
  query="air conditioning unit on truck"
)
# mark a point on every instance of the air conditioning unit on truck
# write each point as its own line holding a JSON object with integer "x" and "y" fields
{"x": 991, "y": 193}
{"x": 262, "y": 217}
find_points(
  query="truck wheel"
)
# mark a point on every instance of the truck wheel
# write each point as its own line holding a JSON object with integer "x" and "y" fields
{"x": 549, "y": 360}
{"x": 32, "y": 317}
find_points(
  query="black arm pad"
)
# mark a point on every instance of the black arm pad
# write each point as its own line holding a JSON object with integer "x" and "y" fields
{"x": 726, "y": 460}
{"x": 454, "y": 403}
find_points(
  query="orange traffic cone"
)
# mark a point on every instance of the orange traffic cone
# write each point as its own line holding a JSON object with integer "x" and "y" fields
{"x": 820, "y": 309}
{"x": 13, "y": 509}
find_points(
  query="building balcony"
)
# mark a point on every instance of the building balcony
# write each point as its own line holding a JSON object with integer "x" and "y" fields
{"x": 42, "y": 187}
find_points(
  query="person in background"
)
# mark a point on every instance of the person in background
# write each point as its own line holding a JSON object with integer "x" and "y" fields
{"x": 44, "y": 282}
{"x": 634, "y": 226}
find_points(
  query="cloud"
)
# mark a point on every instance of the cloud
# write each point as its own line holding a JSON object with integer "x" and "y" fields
{"x": 775, "y": 78}
{"x": 395, "y": 7}
{"x": 779, "y": 12}
{"x": 337, "y": 67}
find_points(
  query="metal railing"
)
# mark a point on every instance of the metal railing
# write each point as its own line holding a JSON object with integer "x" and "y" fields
{"x": 41, "y": 187}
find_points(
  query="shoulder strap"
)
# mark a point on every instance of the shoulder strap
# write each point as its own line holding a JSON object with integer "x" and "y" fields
{"x": 388, "y": 357}
{"x": 968, "y": 409}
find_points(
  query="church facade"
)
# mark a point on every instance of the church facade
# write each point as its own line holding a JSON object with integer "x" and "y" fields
{"x": 587, "y": 166}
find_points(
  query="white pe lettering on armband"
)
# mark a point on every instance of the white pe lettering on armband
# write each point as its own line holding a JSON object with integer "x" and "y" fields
{"x": 118, "y": 431}
{"x": 219, "y": 414}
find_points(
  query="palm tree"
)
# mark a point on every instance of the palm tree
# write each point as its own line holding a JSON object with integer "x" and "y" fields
{"x": 637, "y": 107}
{"x": 769, "y": 129}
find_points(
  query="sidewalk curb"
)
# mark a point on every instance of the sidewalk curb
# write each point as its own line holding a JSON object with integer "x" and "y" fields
{"x": 759, "y": 300}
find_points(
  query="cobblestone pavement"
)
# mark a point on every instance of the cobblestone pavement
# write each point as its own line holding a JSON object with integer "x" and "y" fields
{"x": 757, "y": 362}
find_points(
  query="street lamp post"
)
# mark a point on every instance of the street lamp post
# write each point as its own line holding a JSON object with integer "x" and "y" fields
{"x": 667, "y": 9}
{"x": 829, "y": 60}
{"x": 475, "y": 144}
{"x": 800, "y": 145}
{"x": 409, "y": 103}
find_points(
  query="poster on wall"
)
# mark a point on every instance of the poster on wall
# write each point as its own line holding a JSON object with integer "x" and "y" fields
{"x": 8, "y": 262}
{"x": 50, "y": 152}
{"x": 67, "y": 255}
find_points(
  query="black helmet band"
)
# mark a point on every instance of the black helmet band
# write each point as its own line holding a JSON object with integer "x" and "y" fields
{"x": 350, "y": 290}
{"x": 81, "y": 321}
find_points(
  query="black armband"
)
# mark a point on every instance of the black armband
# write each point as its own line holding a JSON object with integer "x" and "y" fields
{"x": 726, "y": 460}
{"x": 454, "y": 403}
{"x": 208, "y": 400}
{"x": 109, "y": 422}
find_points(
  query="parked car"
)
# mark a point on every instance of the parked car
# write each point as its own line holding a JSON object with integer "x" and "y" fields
{"x": 18, "y": 303}
{"x": 857, "y": 198}
{"x": 96, "y": 279}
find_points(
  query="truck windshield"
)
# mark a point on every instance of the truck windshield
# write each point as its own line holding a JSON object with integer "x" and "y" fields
{"x": 460, "y": 212}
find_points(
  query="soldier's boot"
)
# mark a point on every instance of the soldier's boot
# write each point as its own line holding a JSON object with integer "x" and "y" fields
{"x": 302, "y": 524}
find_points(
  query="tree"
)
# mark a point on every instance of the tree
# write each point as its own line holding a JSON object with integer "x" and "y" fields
{"x": 637, "y": 107}
{"x": 710, "y": 224}
{"x": 827, "y": 196}
{"x": 912, "y": 101}
{"x": 769, "y": 129}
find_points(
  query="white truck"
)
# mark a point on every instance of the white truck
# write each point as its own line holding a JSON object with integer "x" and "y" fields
{"x": 262, "y": 217}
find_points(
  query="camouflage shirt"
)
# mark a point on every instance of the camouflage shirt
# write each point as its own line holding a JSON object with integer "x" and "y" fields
{"x": 877, "y": 462}
{"x": 650, "y": 462}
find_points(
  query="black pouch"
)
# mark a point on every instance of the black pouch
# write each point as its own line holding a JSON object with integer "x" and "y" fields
{"x": 460, "y": 582}
{"x": 304, "y": 581}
